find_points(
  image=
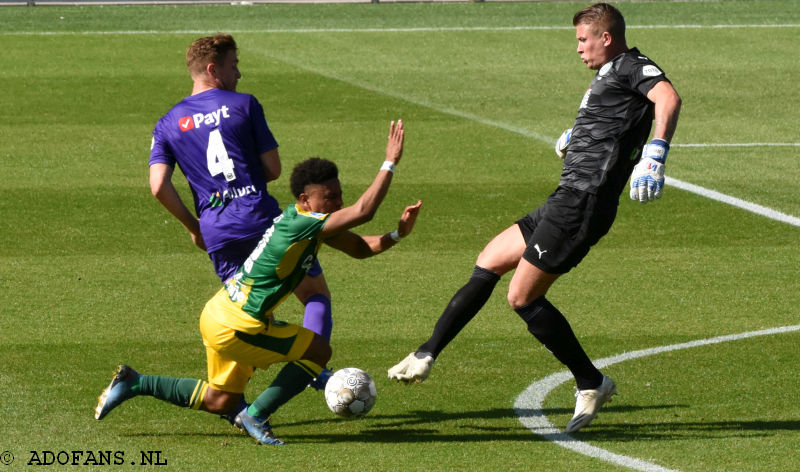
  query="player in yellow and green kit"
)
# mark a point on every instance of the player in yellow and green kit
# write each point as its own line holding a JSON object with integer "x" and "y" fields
{"x": 237, "y": 324}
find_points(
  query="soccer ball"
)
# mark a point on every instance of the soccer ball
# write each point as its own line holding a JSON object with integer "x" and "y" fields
{"x": 350, "y": 392}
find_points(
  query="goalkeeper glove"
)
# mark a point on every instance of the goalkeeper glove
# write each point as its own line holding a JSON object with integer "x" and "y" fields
{"x": 647, "y": 178}
{"x": 562, "y": 142}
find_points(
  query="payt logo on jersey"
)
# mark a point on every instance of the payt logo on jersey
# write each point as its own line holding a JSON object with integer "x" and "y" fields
{"x": 186, "y": 123}
{"x": 212, "y": 119}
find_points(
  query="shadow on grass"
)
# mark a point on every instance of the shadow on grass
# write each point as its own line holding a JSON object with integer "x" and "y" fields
{"x": 683, "y": 430}
{"x": 445, "y": 427}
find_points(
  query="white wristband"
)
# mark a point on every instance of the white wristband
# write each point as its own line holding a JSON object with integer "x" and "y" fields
{"x": 395, "y": 235}
{"x": 388, "y": 165}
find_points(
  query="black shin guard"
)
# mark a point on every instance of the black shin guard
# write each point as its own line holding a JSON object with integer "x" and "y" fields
{"x": 464, "y": 305}
{"x": 549, "y": 326}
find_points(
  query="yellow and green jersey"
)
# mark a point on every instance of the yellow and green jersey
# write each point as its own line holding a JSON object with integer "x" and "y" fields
{"x": 278, "y": 264}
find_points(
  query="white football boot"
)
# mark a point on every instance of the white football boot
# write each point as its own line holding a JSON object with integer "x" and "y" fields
{"x": 414, "y": 368}
{"x": 589, "y": 402}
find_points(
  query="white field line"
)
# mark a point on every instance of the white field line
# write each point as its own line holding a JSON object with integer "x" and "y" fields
{"x": 737, "y": 202}
{"x": 696, "y": 189}
{"x": 382, "y": 30}
{"x": 752, "y": 207}
{"x": 708, "y": 145}
{"x": 528, "y": 405}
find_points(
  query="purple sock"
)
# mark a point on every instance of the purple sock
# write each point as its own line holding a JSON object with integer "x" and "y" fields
{"x": 318, "y": 316}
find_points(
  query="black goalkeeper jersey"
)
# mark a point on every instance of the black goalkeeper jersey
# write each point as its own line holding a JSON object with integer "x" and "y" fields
{"x": 613, "y": 123}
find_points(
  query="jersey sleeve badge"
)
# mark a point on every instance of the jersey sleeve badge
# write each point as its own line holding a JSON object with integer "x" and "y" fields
{"x": 651, "y": 71}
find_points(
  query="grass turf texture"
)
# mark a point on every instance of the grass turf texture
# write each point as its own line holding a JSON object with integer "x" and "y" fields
{"x": 94, "y": 272}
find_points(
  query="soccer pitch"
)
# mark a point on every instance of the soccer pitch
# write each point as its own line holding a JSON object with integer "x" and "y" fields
{"x": 94, "y": 272}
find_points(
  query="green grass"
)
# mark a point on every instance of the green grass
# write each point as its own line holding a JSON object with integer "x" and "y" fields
{"x": 94, "y": 272}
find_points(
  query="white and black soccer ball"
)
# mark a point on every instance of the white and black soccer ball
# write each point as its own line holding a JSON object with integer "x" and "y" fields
{"x": 350, "y": 392}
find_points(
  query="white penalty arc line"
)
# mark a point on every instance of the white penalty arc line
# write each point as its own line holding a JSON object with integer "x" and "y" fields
{"x": 528, "y": 405}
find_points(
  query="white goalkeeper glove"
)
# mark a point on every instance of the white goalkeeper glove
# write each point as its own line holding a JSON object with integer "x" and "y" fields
{"x": 412, "y": 368}
{"x": 647, "y": 178}
{"x": 562, "y": 142}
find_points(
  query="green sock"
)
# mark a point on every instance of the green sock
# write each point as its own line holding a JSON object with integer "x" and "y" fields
{"x": 187, "y": 393}
{"x": 290, "y": 381}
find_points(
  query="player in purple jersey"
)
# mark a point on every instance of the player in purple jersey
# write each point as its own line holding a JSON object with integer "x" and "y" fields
{"x": 238, "y": 326}
{"x": 604, "y": 147}
{"x": 222, "y": 143}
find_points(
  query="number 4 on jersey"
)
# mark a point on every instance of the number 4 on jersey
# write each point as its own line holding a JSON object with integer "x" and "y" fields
{"x": 217, "y": 157}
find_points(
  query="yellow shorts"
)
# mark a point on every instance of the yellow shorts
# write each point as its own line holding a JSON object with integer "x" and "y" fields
{"x": 233, "y": 355}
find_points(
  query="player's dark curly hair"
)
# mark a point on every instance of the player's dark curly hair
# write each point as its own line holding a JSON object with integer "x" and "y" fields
{"x": 312, "y": 171}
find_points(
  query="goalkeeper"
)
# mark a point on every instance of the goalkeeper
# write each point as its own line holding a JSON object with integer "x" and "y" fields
{"x": 604, "y": 147}
{"x": 238, "y": 326}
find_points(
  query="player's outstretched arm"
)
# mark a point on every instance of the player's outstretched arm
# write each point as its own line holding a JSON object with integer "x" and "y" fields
{"x": 364, "y": 209}
{"x": 647, "y": 178}
{"x": 162, "y": 188}
{"x": 667, "y": 108}
{"x": 362, "y": 247}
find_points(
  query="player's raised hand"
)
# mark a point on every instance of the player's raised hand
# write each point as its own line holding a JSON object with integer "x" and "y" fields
{"x": 647, "y": 178}
{"x": 408, "y": 219}
{"x": 394, "y": 146}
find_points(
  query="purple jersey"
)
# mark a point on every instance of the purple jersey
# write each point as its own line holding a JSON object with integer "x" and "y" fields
{"x": 217, "y": 138}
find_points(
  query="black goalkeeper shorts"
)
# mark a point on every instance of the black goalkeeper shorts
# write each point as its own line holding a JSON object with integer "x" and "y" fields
{"x": 560, "y": 233}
